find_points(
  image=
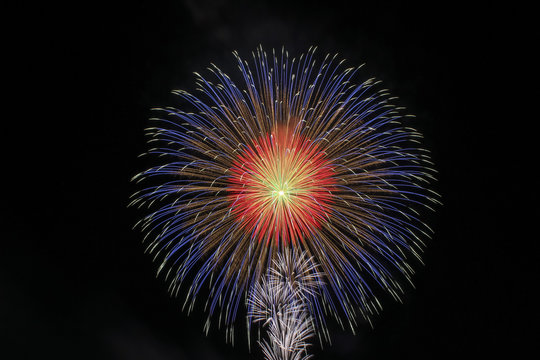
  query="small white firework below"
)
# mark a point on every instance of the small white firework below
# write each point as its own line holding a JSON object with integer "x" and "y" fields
{"x": 280, "y": 303}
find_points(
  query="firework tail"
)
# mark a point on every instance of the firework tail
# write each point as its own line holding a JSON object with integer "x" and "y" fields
{"x": 280, "y": 303}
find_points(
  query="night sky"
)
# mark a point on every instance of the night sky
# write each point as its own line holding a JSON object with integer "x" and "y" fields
{"x": 75, "y": 283}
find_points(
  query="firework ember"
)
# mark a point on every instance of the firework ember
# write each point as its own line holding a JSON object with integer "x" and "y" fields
{"x": 292, "y": 161}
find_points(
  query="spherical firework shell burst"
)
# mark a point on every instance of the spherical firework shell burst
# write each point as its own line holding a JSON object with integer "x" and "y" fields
{"x": 281, "y": 187}
{"x": 296, "y": 154}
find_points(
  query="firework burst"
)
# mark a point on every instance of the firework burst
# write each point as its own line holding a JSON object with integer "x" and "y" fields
{"x": 293, "y": 157}
{"x": 281, "y": 302}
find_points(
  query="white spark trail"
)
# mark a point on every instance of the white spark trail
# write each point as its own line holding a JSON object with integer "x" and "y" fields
{"x": 280, "y": 303}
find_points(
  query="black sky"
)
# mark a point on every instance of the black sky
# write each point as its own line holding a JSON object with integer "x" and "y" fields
{"x": 74, "y": 280}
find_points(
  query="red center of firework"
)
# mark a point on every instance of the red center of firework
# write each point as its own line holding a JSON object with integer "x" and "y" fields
{"x": 281, "y": 187}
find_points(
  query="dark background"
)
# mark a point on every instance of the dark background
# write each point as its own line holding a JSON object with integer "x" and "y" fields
{"x": 74, "y": 280}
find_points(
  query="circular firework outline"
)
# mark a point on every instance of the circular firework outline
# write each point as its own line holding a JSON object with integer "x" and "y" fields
{"x": 296, "y": 157}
